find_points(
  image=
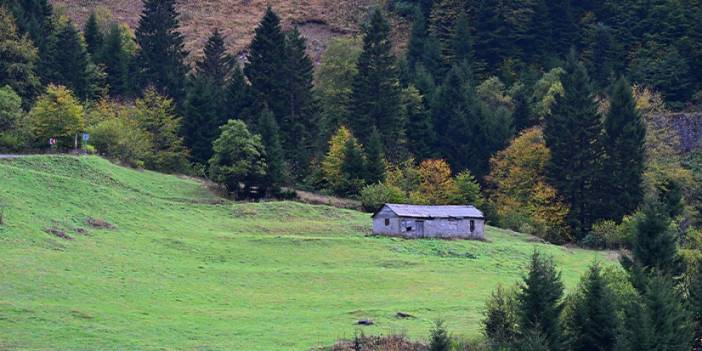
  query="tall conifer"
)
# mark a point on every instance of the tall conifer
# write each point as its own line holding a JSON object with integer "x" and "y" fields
{"x": 572, "y": 134}
{"x": 161, "y": 58}
{"x": 93, "y": 35}
{"x": 270, "y": 136}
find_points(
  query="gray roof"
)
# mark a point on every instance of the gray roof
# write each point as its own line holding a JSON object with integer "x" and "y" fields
{"x": 417, "y": 211}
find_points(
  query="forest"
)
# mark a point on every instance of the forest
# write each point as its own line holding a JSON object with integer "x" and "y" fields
{"x": 549, "y": 115}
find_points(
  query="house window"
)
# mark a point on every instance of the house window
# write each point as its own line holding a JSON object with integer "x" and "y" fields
{"x": 409, "y": 229}
{"x": 472, "y": 225}
{"x": 387, "y": 222}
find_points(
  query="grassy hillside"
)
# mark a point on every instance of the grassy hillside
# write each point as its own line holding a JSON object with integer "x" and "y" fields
{"x": 184, "y": 270}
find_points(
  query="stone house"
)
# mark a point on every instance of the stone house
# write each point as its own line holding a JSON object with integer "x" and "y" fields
{"x": 414, "y": 221}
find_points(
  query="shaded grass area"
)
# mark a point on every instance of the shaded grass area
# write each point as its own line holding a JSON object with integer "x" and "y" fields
{"x": 182, "y": 270}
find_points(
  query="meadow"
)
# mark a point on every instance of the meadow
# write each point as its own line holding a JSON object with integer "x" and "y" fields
{"x": 183, "y": 269}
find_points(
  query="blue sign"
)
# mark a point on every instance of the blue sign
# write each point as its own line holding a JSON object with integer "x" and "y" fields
{"x": 86, "y": 136}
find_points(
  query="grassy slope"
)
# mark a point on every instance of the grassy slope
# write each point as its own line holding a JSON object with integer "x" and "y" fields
{"x": 180, "y": 272}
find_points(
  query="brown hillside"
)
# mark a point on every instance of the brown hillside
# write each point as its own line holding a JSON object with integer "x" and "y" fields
{"x": 319, "y": 20}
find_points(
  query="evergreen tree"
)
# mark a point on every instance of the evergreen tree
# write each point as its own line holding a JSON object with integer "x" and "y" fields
{"x": 463, "y": 50}
{"x": 563, "y": 30}
{"x": 17, "y": 60}
{"x": 695, "y": 294}
{"x": 70, "y": 62}
{"x": 671, "y": 327}
{"x": 237, "y": 98}
{"x": 202, "y": 119}
{"x": 592, "y": 323}
{"x": 266, "y": 67}
{"x": 353, "y": 168}
{"x": 491, "y": 35}
{"x": 375, "y": 100}
{"x": 35, "y": 19}
{"x": 216, "y": 64}
{"x": 540, "y": 302}
{"x": 116, "y": 61}
{"x": 300, "y": 124}
{"x": 161, "y": 58}
{"x": 500, "y": 323}
{"x": 417, "y": 41}
{"x": 439, "y": 339}
{"x": 571, "y": 133}
{"x": 270, "y": 136}
{"x": 444, "y": 15}
{"x": 420, "y": 130}
{"x": 375, "y": 159}
{"x": 655, "y": 244}
{"x": 93, "y": 35}
{"x": 623, "y": 141}
{"x": 522, "y": 116}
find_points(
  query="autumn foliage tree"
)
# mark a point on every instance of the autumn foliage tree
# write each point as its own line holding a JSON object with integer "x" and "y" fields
{"x": 519, "y": 192}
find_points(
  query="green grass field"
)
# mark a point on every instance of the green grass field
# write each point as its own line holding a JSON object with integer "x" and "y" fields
{"x": 182, "y": 270}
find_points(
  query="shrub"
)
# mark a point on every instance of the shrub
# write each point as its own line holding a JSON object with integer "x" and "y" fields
{"x": 56, "y": 114}
{"x": 375, "y": 195}
{"x": 439, "y": 340}
{"x": 123, "y": 140}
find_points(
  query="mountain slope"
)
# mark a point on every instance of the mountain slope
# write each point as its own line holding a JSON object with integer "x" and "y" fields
{"x": 183, "y": 269}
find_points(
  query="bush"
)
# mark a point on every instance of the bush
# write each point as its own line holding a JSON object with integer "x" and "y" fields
{"x": 375, "y": 195}
{"x": 123, "y": 140}
{"x": 56, "y": 114}
{"x": 605, "y": 235}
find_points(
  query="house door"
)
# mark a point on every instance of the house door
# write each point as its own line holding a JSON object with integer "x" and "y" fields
{"x": 420, "y": 229}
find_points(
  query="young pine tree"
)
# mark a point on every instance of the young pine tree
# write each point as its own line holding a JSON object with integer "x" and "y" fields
{"x": 672, "y": 326}
{"x": 161, "y": 58}
{"x": 592, "y": 322}
{"x": 623, "y": 141}
{"x": 237, "y": 97}
{"x": 19, "y": 58}
{"x": 375, "y": 100}
{"x": 116, "y": 60}
{"x": 655, "y": 244}
{"x": 93, "y": 36}
{"x": 500, "y": 323}
{"x": 540, "y": 302}
{"x": 353, "y": 167}
{"x": 270, "y": 136}
{"x": 216, "y": 65}
{"x": 70, "y": 61}
{"x": 572, "y": 134}
{"x": 439, "y": 340}
{"x": 375, "y": 159}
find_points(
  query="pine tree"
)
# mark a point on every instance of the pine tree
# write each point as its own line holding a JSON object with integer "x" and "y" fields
{"x": 491, "y": 33}
{"x": 540, "y": 302}
{"x": 672, "y": 326}
{"x": 457, "y": 122}
{"x": 216, "y": 65}
{"x": 161, "y": 58}
{"x": 563, "y": 30}
{"x": 463, "y": 45}
{"x": 116, "y": 61}
{"x": 695, "y": 293}
{"x": 266, "y": 66}
{"x": 35, "y": 18}
{"x": 19, "y": 58}
{"x": 70, "y": 62}
{"x": 655, "y": 245}
{"x": 270, "y": 136}
{"x": 439, "y": 340}
{"x": 238, "y": 98}
{"x": 420, "y": 130}
{"x": 93, "y": 35}
{"x": 417, "y": 41}
{"x": 571, "y": 133}
{"x": 353, "y": 168}
{"x": 444, "y": 15}
{"x": 500, "y": 323}
{"x": 375, "y": 159}
{"x": 300, "y": 124}
{"x": 623, "y": 141}
{"x": 522, "y": 116}
{"x": 375, "y": 100}
{"x": 201, "y": 120}
{"x": 592, "y": 323}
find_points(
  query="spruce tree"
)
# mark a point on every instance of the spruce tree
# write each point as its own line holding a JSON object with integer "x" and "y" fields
{"x": 216, "y": 65}
{"x": 266, "y": 66}
{"x": 353, "y": 168}
{"x": 237, "y": 98}
{"x": 421, "y": 139}
{"x": 70, "y": 62}
{"x": 93, "y": 35}
{"x": 572, "y": 134}
{"x": 623, "y": 140}
{"x": 672, "y": 326}
{"x": 439, "y": 340}
{"x": 201, "y": 120}
{"x": 655, "y": 244}
{"x": 270, "y": 136}
{"x": 491, "y": 32}
{"x": 540, "y": 302}
{"x": 300, "y": 122}
{"x": 592, "y": 323}
{"x": 444, "y": 15}
{"x": 463, "y": 45}
{"x": 695, "y": 293}
{"x": 35, "y": 18}
{"x": 375, "y": 159}
{"x": 418, "y": 38}
{"x": 161, "y": 57}
{"x": 116, "y": 61}
{"x": 375, "y": 100}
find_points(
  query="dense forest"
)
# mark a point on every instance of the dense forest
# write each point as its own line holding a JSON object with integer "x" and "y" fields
{"x": 537, "y": 111}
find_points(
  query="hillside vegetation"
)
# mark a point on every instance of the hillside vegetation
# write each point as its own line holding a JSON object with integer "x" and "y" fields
{"x": 184, "y": 269}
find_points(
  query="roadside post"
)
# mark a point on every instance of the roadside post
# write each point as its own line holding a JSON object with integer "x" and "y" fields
{"x": 86, "y": 138}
